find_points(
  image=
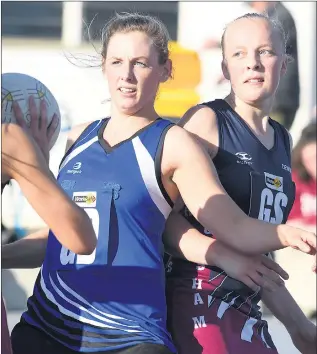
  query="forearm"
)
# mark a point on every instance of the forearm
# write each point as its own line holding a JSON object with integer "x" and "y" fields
{"x": 182, "y": 240}
{"x": 26, "y": 164}
{"x": 230, "y": 225}
{"x": 69, "y": 223}
{"x": 27, "y": 253}
{"x": 284, "y": 308}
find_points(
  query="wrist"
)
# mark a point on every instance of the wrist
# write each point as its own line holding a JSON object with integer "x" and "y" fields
{"x": 46, "y": 155}
{"x": 297, "y": 326}
{"x": 282, "y": 233}
{"x": 216, "y": 254}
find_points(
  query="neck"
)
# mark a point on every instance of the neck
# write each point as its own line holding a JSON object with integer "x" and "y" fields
{"x": 142, "y": 117}
{"x": 257, "y": 116}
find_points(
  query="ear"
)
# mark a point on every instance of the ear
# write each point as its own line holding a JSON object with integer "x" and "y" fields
{"x": 167, "y": 71}
{"x": 225, "y": 69}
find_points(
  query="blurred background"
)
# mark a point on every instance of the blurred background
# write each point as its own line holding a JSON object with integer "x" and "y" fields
{"x": 50, "y": 41}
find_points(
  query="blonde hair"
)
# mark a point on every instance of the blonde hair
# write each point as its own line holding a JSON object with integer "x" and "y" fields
{"x": 275, "y": 24}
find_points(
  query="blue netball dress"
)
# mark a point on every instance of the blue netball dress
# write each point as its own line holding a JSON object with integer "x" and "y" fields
{"x": 115, "y": 297}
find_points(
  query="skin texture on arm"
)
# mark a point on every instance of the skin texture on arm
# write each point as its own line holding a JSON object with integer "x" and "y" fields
{"x": 285, "y": 309}
{"x": 25, "y": 163}
{"x": 29, "y": 252}
{"x": 208, "y": 202}
{"x": 280, "y": 301}
{"x": 183, "y": 241}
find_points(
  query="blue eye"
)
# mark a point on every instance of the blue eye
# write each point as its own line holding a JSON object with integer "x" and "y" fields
{"x": 266, "y": 51}
{"x": 237, "y": 54}
{"x": 139, "y": 63}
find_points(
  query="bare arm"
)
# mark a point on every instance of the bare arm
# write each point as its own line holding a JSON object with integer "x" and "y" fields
{"x": 181, "y": 240}
{"x": 194, "y": 174}
{"x": 28, "y": 252}
{"x": 285, "y": 309}
{"x": 25, "y": 163}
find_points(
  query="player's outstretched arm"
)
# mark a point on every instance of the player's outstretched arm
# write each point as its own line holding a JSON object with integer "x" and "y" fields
{"x": 23, "y": 161}
{"x": 26, "y": 253}
{"x": 285, "y": 309}
{"x": 194, "y": 174}
{"x": 182, "y": 240}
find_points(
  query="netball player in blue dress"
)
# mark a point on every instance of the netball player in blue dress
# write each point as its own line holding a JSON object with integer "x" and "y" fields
{"x": 127, "y": 171}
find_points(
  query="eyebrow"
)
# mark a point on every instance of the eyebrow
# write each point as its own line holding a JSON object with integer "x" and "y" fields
{"x": 260, "y": 46}
{"x": 136, "y": 58}
{"x": 265, "y": 45}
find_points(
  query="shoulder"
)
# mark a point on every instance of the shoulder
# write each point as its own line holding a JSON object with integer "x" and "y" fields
{"x": 180, "y": 145}
{"x": 201, "y": 121}
{"x": 287, "y": 136}
{"x": 198, "y": 116}
{"x": 75, "y": 133}
{"x": 290, "y": 139}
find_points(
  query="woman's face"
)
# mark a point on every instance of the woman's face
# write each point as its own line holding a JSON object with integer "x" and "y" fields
{"x": 133, "y": 72}
{"x": 253, "y": 59}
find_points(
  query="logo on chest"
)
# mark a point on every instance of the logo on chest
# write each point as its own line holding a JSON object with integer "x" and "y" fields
{"x": 85, "y": 199}
{"x": 274, "y": 201}
{"x": 76, "y": 169}
{"x": 244, "y": 158}
{"x": 286, "y": 168}
{"x": 274, "y": 182}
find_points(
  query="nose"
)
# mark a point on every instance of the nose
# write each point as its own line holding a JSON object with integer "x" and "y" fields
{"x": 126, "y": 73}
{"x": 253, "y": 62}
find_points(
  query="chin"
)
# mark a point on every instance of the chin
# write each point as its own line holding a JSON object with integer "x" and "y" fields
{"x": 129, "y": 110}
{"x": 256, "y": 99}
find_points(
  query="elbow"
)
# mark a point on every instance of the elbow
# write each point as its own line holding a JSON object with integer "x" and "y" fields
{"x": 86, "y": 241}
{"x": 86, "y": 248}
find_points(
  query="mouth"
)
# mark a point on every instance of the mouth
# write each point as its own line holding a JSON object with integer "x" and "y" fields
{"x": 255, "y": 80}
{"x": 127, "y": 90}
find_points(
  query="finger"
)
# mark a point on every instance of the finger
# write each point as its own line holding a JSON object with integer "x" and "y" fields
{"x": 251, "y": 284}
{"x": 269, "y": 263}
{"x": 52, "y": 127}
{"x": 43, "y": 116}
{"x": 263, "y": 282}
{"x": 301, "y": 246}
{"x": 311, "y": 241}
{"x": 270, "y": 275}
{"x": 314, "y": 267}
{"x": 34, "y": 124}
{"x": 18, "y": 114}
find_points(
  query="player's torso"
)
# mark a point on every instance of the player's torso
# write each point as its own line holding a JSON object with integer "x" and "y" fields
{"x": 258, "y": 180}
{"x": 124, "y": 276}
{"x": 110, "y": 186}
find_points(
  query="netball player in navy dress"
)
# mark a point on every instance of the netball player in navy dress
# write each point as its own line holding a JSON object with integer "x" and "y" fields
{"x": 209, "y": 311}
{"x": 126, "y": 172}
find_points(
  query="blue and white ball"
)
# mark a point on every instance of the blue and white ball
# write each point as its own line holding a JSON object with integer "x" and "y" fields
{"x": 18, "y": 87}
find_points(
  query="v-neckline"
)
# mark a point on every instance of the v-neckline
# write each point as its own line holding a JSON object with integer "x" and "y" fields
{"x": 107, "y": 147}
{"x": 250, "y": 131}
